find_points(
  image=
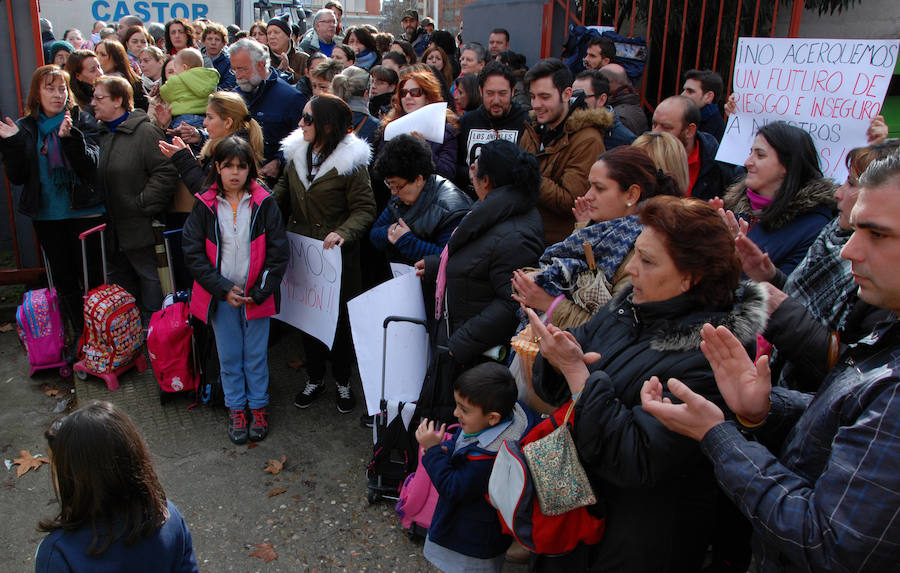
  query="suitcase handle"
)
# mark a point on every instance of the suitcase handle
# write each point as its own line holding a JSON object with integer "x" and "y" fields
{"x": 98, "y": 228}
{"x": 391, "y": 319}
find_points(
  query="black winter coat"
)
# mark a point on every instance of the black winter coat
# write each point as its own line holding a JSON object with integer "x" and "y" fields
{"x": 502, "y": 233}
{"x": 715, "y": 176}
{"x": 20, "y": 159}
{"x": 654, "y": 486}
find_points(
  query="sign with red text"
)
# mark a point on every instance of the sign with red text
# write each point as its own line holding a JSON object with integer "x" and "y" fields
{"x": 311, "y": 288}
{"x": 829, "y": 88}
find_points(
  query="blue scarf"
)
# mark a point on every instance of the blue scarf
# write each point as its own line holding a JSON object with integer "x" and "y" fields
{"x": 563, "y": 262}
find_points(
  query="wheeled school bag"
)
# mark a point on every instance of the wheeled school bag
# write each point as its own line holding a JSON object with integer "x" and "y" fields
{"x": 418, "y": 497}
{"x": 112, "y": 338}
{"x": 170, "y": 345}
{"x": 40, "y": 328}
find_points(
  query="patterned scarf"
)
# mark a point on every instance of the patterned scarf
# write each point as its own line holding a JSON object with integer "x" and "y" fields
{"x": 563, "y": 262}
{"x": 822, "y": 281}
{"x": 51, "y": 160}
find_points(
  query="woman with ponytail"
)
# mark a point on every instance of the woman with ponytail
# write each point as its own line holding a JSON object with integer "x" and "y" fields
{"x": 226, "y": 115}
{"x": 502, "y": 233}
{"x": 606, "y": 217}
{"x": 352, "y": 86}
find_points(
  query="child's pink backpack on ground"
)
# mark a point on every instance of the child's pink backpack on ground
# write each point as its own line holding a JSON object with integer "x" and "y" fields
{"x": 418, "y": 498}
{"x": 39, "y": 324}
{"x": 169, "y": 345}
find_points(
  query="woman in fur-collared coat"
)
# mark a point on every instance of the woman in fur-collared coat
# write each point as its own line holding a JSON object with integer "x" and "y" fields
{"x": 326, "y": 194}
{"x": 784, "y": 197}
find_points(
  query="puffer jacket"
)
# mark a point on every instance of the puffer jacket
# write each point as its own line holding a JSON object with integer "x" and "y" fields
{"x": 787, "y": 236}
{"x": 634, "y": 463}
{"x": 431, "y": 219}
{"x": 565, "y": 164}
{"x": 137, "y": 179}
{"x": 269, "y": 254}
{"x": 338, "y": 199}
{"x": 20, "y": 159}
{"x": 188, "y": 91}
{"x": 500, "y": 234}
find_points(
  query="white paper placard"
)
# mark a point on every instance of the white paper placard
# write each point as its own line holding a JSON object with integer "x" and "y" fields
{"x": 311, "y": 288}
{"x": 428, "y": 121}
{"x": 407, "y": 344}
{"x": 829, "y": 88}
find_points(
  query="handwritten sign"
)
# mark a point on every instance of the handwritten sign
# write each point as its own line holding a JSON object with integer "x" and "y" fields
{"x": 407, "y": 344}
{"x": 829, "y": 88}
{"x": 311, "y": 288}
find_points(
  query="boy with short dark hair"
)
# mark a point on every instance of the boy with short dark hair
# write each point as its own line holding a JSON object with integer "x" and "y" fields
{"x": 465, "y": 533}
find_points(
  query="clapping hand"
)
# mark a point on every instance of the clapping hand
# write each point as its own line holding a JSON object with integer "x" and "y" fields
{"x": 757, "y": 264}
{"x": 693, "y": 418}
{"x": 562, "y": 351}
{"x": 65, "y": 128}
{"x": 744, "y": 385}
{"x": 8, "y": 128}
{"x": 582, "y": 210}
{"x": 425, "y": 433}
{"x": 169, "y": 149}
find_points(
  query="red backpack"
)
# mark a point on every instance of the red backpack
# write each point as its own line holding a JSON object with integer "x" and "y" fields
{"x": 511, "y": 491}
{"x": 170, "y": 349}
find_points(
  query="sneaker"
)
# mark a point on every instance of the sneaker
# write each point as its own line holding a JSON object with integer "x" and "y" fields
{"x": 259, "y": 427}
{"x": 237, "y": 426}
{"x": 367, "y": 421}
{"x": 309, "y": 394}
{"x": 345, "y": 399}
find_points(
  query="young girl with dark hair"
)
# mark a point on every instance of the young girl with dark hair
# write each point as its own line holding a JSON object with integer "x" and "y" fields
{"x": 113, "y": 512}
{"x": 326, "y": 191}
{"x": 236, "y": 284}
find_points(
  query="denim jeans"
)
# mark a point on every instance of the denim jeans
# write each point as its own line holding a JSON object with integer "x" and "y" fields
{"x": 243, "y": 360}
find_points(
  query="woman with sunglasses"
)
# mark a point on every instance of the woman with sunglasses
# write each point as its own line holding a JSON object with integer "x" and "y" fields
{"x": 325, "y": 189}
{"x": 416, "y": 90}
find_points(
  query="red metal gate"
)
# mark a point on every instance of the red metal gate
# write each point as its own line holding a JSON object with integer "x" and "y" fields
{"x": 665, "y": 23}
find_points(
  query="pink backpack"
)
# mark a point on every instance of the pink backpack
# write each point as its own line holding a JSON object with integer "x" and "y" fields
{"x": 418, "y": 498}
{"x": 39, "y": 324}
{"x": 169, "y": 346}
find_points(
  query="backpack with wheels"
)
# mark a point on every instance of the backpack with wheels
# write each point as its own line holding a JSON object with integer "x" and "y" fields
{"x": 40, "y": 327}
{"x": 418, "y": 497}
{"x": 170, "y": 345}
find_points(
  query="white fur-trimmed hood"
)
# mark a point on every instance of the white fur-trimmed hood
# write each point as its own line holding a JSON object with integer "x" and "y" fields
{"x": 350, "y": 154}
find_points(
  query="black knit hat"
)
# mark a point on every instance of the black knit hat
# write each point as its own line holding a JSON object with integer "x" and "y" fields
{"x": 283, "y": 22}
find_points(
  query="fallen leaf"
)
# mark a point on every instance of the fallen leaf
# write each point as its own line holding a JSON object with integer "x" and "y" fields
{"x": 274, "y": 467}
{"x": 264, "y": 551}
{"x": 52, "y": 392}
{"x": 8, "y": 326}
{"x": 277, "y": 491}
{"x": 28, "y": 462}
{"x": 296, "y": 363}
{"x": 252, "y": 445}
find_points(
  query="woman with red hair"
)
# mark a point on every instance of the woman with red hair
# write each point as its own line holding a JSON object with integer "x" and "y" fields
{"x": 417, "y": 89}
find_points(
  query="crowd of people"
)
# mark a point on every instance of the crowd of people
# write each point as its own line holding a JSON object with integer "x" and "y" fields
{"x": 724, "y": 336}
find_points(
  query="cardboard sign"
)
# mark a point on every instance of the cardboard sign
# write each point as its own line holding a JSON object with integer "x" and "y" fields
{"x": 407, "y": 344}
{"x": 311, "y": 288}
{"x": 829, "y": 88}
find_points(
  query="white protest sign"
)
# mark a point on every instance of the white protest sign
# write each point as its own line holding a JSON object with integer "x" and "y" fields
{"x": 398, "y": 269}
{"x": 407, "y": 343}
{"x": 829, "y": 88}
{"x": 311, "y": 288}
{"x": 428, "y": 121}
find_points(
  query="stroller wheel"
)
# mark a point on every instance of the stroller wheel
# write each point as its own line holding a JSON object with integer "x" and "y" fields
{"x": 65, "y": 371}
{"x": 372, "y": 497}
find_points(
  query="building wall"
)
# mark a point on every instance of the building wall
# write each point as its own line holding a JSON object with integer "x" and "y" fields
{"x": 865, "y": 19}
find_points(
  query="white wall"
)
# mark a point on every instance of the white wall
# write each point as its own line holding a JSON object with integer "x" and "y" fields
{"x": 875, "y": 19}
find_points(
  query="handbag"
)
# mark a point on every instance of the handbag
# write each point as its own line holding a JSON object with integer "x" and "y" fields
{"x": 559, "y": 479}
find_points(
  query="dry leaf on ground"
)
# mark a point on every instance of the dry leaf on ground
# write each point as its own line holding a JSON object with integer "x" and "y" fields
{"x": 264, "y": 551}
{"x": 28, "y": 462}
{"x": 6, "y": 327}
{"x": 277, "y": 491}
{"x": 52, "y": 392}
{"x": 274, "y": 467}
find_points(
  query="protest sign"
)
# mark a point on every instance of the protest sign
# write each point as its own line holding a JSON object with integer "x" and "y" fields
{"x": 428, "y": 121}
{"x": 829, "y": 88}
{"x": 407, "y": 344}
{"x": 311, "y": 288}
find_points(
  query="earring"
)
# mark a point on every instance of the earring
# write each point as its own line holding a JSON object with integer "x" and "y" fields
{"x": 628, "y": 204}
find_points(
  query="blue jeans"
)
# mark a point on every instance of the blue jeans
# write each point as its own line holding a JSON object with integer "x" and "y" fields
{"x": 243, "y": 360}
{"x": 189, "y": 118}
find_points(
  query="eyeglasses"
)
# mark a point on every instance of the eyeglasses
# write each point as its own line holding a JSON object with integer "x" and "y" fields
{"x": 395, "y": 187}
{"x": 415, "y": 92}
{"x": 100, "y": 97}
{"x": 307, "y": 118}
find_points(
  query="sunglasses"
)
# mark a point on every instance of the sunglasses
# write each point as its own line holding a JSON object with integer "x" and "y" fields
{"x": 415, "y": 92}
{"x": 307, "y": 118}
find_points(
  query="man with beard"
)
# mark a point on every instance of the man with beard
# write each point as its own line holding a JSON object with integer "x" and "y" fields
{"x": 679, "y": 116}
{"x": 413, "y": 33}
{"x": 566, "y": 137}
{"x": 272, "y": 102}
{"x": 496, "y": 118}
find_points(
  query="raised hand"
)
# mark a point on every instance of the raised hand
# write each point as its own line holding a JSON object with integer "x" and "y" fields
{"x": 581, "y": 211}
{"x": 562, "y": 351}
{"x": 426, "y": 435}
{"x": 757, "y": 264}
{"x": 744, "y": 385}
{"x": 169, "y": 149}
{"x": 65, "y": 128}
{"x": 8, "y": 128}
{"x": 528, "y": 292}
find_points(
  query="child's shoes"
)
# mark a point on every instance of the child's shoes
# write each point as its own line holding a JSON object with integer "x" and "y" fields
{"x": 259, "y": 426}
{"x": 237, "y": 426}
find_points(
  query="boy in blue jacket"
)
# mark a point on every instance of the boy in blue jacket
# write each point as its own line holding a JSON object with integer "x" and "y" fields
{"x": 465, "y": 533}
